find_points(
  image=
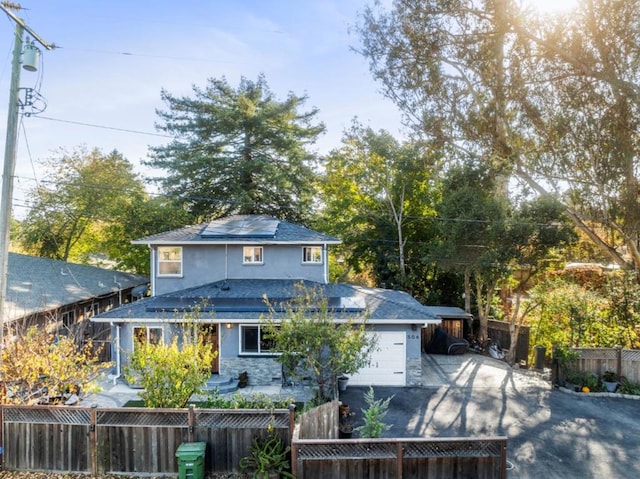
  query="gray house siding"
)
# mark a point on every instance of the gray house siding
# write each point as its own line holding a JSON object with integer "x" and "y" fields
{"x": 203, "y": 264}
{"x": 211, "y": 266}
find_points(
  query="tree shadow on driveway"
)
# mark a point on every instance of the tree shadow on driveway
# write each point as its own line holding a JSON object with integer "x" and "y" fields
{"x": 550, "y": 434}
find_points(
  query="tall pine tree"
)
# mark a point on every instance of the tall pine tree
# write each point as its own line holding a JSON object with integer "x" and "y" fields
{"x": 238, "y": 151}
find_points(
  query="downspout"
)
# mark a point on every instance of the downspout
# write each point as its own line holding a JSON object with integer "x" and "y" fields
{"x": 116, "y": 376}
{"x": 226, "y": 258}
{"x": 153, "y": 271}
{"x": 325, "y": 253}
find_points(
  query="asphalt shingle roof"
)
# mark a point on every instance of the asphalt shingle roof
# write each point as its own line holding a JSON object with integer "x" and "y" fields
{"x": 37, "y": 284}
{"x": 285, "y": 232}
{"x": 247, "y": 296}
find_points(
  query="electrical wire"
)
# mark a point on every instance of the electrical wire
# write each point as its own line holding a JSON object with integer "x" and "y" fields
{"x": 148, "y": 55}
{"x": 104, "y": 127}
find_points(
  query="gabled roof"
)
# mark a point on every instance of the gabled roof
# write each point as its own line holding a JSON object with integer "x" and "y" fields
{"x": 40, "y": 284}
{"x": 243, "y": 300}
{"x": 240, "y": 229}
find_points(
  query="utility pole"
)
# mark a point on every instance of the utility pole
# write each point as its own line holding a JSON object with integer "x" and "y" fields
{"x": 10, "y": 155}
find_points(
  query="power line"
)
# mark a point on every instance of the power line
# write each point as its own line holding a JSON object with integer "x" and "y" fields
{"x": 104, "y": 127}
{"x": 148, "y": 55}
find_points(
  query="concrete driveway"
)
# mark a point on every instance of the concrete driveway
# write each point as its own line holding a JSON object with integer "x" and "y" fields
{"x": 551, "y": 434}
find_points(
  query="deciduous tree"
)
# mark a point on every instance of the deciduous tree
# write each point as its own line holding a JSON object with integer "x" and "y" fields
{"x": 38, "y": 366}
{"x": 311, "y": 341}
{"x": 171, "y": 373}
{"x": 377, "y": 192}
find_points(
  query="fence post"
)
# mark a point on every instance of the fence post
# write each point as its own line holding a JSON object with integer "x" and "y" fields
{"x": 94, "y": 440}
{"x": 503, "y": 466}
{"x": 292, "y": 421}
{"x": 399, "y": 454}
{"x": 191, "y": 421}
{"x": 2, "y": 432}
{"x": 619, "y": 361}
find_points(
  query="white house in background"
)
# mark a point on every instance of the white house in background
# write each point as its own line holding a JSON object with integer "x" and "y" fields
{"x": 233, "y": 263}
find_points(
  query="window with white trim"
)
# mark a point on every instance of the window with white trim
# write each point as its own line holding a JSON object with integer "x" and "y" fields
{"x": 145, "y": 335}
{"x": 68, "y": 318}
{"x": 312, "y": 254}
{"x": 91, "y": 310}
{"x": 169, "y": 261}
{"x": 252, "y": 255}
{"x": 254, "y": 341}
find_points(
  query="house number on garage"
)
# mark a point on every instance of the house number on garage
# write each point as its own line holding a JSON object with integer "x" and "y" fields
{"x": 413, "y": 336}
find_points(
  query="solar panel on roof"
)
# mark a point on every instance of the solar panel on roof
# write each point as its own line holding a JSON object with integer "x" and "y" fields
{"x": 254, "y": 305}
{"x": 252, "y": 227}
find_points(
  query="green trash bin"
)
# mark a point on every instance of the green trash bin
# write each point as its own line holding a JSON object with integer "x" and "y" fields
{"x": 191, "y": 460}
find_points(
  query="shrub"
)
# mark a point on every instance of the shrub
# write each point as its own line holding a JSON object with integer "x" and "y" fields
{"x": 268, "y": 456}
{"x": 374, "y": 415}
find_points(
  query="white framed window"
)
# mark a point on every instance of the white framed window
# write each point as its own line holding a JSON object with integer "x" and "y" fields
{"x": 169, "y": 261}
{"x": 253, "y": 341}
{"x": 68, "y": 318}
{"x": 252, "y": 255}
{"x": 146, "y": 335}
{"x": 91, "y": 310}
{"x": 110, "y": 304}
{"x": 312, "y": 254}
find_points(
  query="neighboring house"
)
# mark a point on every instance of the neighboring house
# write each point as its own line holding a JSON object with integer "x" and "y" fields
{"x": 49, "y": 292}
{"x": 227, "y": 267}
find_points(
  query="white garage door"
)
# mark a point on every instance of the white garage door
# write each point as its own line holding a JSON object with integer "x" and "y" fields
{"x": 388, "y": 364}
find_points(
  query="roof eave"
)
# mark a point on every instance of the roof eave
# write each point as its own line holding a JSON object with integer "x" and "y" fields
{"x": 244, "y": 241}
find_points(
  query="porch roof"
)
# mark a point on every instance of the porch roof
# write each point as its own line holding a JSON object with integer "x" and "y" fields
{"x": 244, "y": 301}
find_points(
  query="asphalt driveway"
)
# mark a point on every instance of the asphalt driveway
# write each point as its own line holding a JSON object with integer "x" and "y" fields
{"x": 551, "y": 434}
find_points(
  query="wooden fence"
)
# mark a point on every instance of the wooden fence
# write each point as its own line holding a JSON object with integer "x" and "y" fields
{"x": 499, "y": 330}
{"x": 625, "y": 362}
{"x": 130, "y": 440}
{"x": 316, "y": 454}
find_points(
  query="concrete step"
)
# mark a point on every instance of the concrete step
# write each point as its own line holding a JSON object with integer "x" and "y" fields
{"x": 224, "y": 384}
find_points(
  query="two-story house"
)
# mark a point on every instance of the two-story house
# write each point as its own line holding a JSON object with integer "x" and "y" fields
{"x": 224, "y": 269}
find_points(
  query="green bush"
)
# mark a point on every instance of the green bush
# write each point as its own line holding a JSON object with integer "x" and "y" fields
{"x": 268, "y": 456}
{"x": 374, "y": 415}
{"x": 215, "y": 400}
{"x": 628, "y": 387}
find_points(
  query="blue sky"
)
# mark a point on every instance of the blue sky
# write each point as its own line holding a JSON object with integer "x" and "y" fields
{"x": 115, "y": 57}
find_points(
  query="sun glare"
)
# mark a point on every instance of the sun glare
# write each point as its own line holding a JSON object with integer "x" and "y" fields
{"x": 550, "y": 6}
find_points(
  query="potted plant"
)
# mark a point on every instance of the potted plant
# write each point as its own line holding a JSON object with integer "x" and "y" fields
{"x": 345, "y": 426}
{"x": 610, "y": 381}
{"x": 268, "y": 459}
{"x": 574, "y": 380}
{"x": 243, "y": 379}
{"x": 343, "y": 380}
{"x": 591, "y": 383}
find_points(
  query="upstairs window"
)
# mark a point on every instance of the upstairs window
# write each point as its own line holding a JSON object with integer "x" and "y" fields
{"x": 312, "y": 254}
{"x": 252, "y": 255}
{"x": 169, "y": 261}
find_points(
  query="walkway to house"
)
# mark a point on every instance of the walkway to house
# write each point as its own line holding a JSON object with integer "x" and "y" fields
{"x": 118, "y": 394}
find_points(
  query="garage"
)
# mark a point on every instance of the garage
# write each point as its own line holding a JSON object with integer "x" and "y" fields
{"x": 388, "y": 365}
